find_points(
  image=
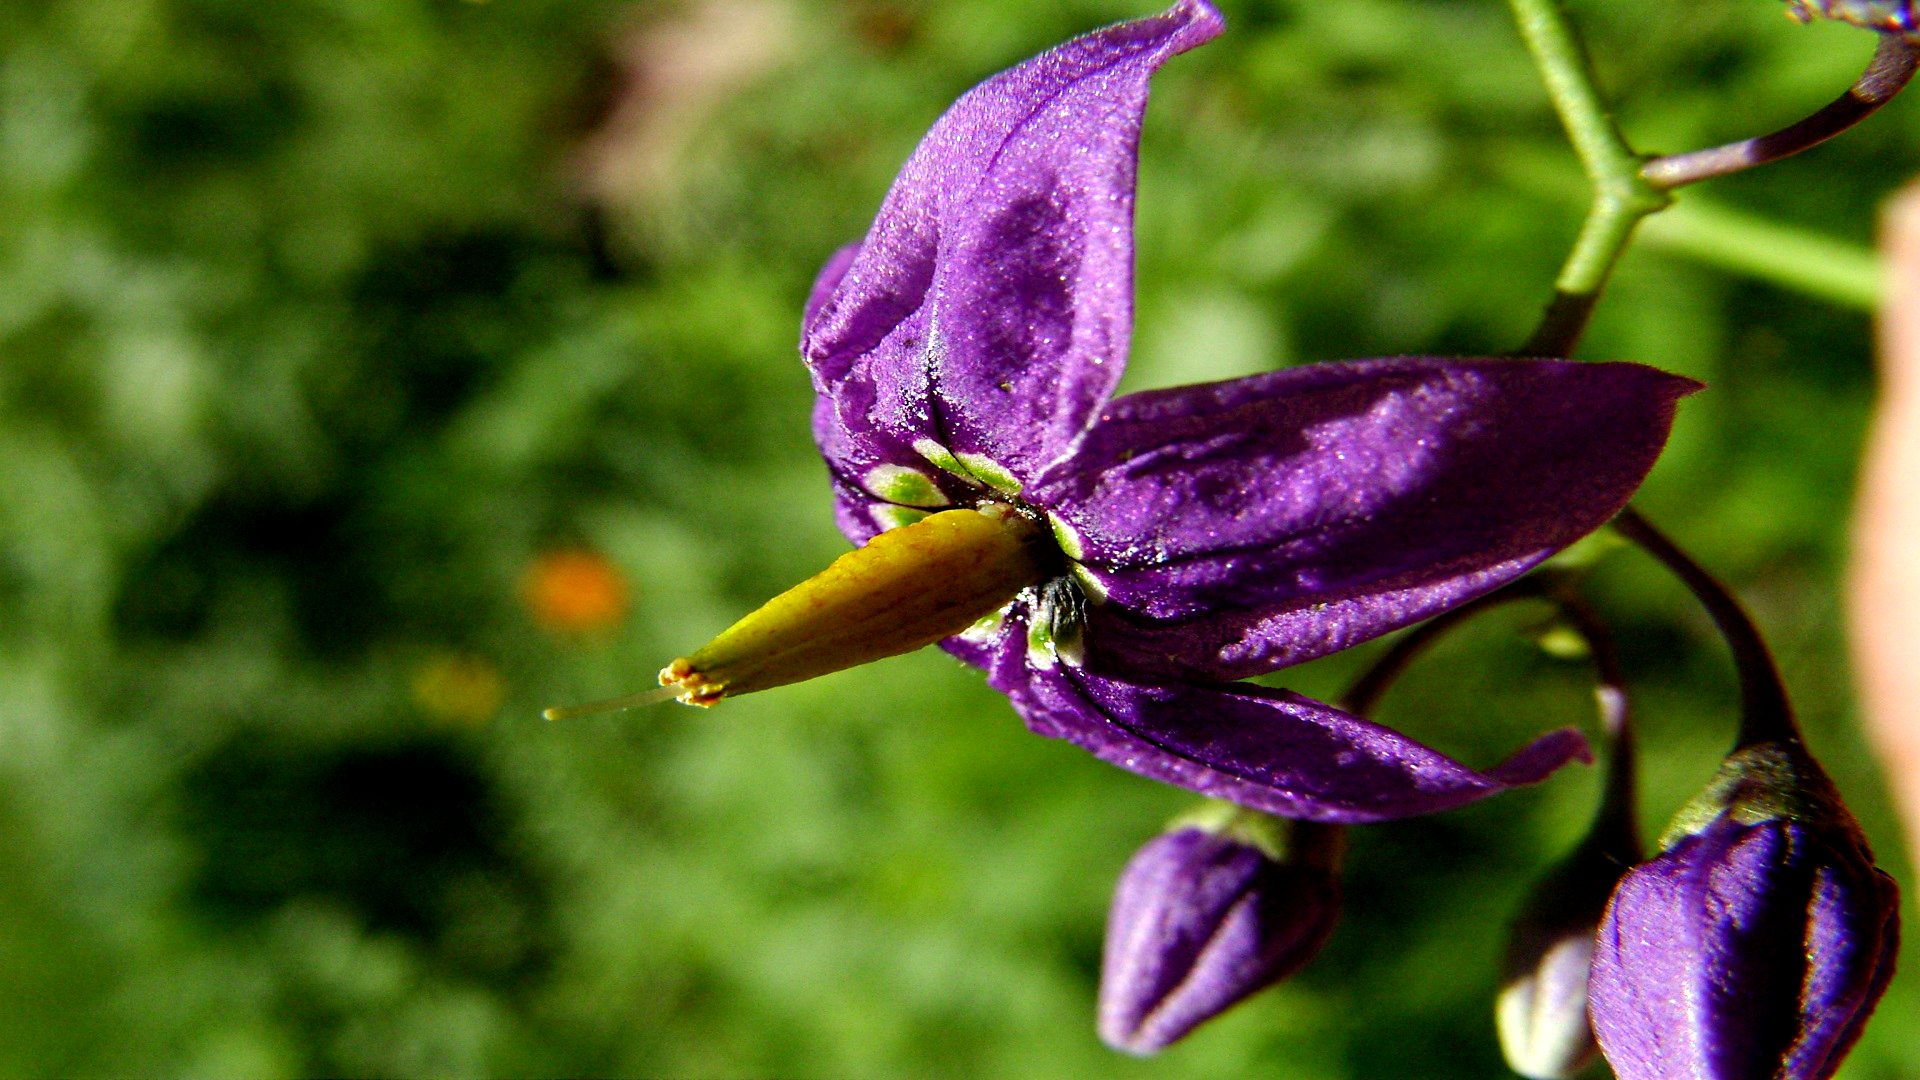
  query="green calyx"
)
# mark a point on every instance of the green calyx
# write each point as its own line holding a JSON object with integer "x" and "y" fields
{"x": 1283, "y": 840}
{"x": 1758, "y": 783}
{"x": 976, "y": 469}
{"x": 908, "y": 487}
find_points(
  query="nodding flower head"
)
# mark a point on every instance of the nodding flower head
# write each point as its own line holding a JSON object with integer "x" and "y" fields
{"x": 1757, "y": 943}
{"x": 1113, "y": 564}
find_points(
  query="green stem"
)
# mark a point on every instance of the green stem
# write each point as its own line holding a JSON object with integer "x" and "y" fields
{"x": 1793, "y": 258}
{"x": 1621, "y": 195}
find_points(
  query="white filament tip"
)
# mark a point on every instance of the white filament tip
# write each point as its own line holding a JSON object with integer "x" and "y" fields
{"x": 594, "y": 708}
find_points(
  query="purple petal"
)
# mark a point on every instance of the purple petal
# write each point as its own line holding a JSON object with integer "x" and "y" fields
{"x": 1244, "y": 526}
{"x": 972, "y": 653}
{"x": 1857, "y": 963}
{"x": 828, "y": 279}
{"x": 1263, "y": 748}
{"x": 989, "y": 307}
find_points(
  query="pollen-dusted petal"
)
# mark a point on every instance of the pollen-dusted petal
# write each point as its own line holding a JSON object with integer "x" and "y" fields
{"x": 989, "y": 306}
{"x": 1262, "y": 748}
{"x": 1243, "y": 526}
{"x": 829, "y": 277}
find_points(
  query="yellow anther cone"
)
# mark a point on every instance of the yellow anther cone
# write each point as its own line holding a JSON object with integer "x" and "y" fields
{"x": 907, "y": 588}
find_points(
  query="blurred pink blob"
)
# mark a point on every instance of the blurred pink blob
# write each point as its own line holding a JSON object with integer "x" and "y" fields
{"x": 675, "y": 71}
{"x": 1885, "y": 586}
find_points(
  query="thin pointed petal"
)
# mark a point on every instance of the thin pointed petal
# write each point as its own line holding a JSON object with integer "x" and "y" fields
{"x": 1244, "y": 526}
{"x": 988, "y": 309}
{"x": 828, "y": 279}
{"x": 1268, "y": 749}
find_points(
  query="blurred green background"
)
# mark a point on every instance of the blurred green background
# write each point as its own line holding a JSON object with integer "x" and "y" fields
{"x": 376, "y": 372}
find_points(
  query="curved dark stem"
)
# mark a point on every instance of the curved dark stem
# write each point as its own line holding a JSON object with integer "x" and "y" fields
{"x": 1614, "y": 838}
{"x": 1765, "y": 714}
{"x": 1892, "y": 66}
{"x": 1366, "y": 690}
{"x": 1616, "y": 825}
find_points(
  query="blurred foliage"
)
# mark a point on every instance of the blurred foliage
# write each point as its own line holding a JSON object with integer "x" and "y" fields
{"x": 325, "y": 325}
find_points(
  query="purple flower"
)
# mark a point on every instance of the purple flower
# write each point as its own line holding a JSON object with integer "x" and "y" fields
{"x": 1204, "y": 917}
{"x": 1757, "y": 943}
{"x": 1152, "y": 548}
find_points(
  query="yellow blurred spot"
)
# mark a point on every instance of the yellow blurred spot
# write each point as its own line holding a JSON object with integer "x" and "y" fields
{"x": 1562, "y": 642}
{"x": 458, "y": 688}
{"x": 575, "y": 592}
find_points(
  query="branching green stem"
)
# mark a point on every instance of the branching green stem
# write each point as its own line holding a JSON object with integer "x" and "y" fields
{"x": 1621, "y": 195}
{"x": 1782, "y": 255}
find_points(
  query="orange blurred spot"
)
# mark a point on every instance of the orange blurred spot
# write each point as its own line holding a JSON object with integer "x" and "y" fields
{"x": 575, "y": 592}
{"x": 458, "y": 688}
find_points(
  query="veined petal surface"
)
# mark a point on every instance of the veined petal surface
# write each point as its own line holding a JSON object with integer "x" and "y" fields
{"x": 1263, "y": 748}
{"x": 1244, "y": 526}
{"x": 988, "y": 309}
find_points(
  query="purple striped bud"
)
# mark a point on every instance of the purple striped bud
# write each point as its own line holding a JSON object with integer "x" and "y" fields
{"x": 1211, "y": 912}
{"x": 1757, "y": 943}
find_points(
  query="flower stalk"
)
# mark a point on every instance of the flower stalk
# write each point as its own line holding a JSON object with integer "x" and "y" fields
{"x": 1627, "y": 187}
{"x": 1887, "y": 73}
{"x": 1541, "y": 1011}
{"x": 1372, "y": 683}
{"x": 1765, "y": 715}
{"x": 1621, "y": 195}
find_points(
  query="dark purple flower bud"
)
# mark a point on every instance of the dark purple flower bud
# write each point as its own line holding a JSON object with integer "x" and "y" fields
{"x": 1757, "y": 943}
{"x": 1211, "y": 912}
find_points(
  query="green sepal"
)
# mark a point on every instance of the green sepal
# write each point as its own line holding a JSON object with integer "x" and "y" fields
{"x": 906, "y": 486}
{"x": 1763, "y": 782}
